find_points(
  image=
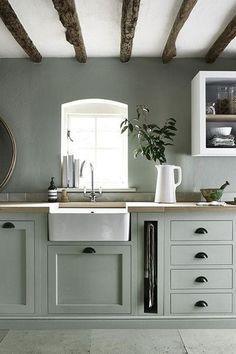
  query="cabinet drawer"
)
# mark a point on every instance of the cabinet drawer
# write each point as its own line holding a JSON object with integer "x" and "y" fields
{"x": 187, "y": 303}
{"x": 197, "y": 230}
{"x": 191, "y": 254}
{"x": 201, "y": 278}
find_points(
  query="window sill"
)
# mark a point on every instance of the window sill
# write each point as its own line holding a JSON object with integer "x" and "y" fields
{"x": 105, "y": 190}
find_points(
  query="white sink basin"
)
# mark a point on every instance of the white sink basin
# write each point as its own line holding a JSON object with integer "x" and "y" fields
{"x": 89, "y": 224}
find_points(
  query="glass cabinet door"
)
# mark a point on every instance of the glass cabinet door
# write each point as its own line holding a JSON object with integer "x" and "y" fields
{"x": 214, "y": 113}
{"x": 220, "y": 114}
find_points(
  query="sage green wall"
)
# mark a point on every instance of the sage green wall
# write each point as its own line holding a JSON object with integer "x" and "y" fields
{"x": 31, "y": 96}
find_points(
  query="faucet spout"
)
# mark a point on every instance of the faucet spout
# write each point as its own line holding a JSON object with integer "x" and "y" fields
{"x": 92, "y": 195}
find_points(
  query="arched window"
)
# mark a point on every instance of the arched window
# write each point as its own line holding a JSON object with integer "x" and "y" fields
{"x": 91, "y": 132}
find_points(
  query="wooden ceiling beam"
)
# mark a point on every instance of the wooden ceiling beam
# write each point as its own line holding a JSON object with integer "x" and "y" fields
{"x": 222, "y": 41}
{"x": 68, "y": 16}
{"x": 130, "y": 10}
{"x": 182, "y": 16}
{"x": 14, "y": 25}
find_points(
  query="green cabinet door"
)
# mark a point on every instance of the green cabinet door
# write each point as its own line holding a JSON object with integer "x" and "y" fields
{"x": 89, "y": 279}
{"x": 16, "y": 267}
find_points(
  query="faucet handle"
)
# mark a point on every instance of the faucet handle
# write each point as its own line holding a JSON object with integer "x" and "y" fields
{"x": 85, "y": 193}
{"x": 93, "y": 194}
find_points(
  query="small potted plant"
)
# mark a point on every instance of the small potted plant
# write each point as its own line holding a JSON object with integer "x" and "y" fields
{"x": 151, "y": 143}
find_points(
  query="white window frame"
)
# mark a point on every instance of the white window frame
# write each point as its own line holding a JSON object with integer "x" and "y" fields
{"x": 96, "y": 107}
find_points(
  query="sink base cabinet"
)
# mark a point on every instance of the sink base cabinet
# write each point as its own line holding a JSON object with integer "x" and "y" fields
{"x": 89, "y": 279}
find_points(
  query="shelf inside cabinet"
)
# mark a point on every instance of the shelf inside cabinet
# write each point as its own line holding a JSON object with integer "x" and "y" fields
{"x": 220, "y": 117}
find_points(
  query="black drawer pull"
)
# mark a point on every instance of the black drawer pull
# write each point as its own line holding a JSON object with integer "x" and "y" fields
{"x": 201, "y": 303}
{"x": 89, "y": 250}
{"x": 201, "y": 255}
{"x": 201, "y": 231}
{"x": 201, "y": 279}
{"x": 8, "y": 225}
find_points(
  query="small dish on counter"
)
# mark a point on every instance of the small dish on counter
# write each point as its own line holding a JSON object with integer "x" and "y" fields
{"x": 214, "y": 203}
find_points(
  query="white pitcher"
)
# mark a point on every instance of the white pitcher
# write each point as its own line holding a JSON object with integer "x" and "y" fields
{"x": 166, "y": 186}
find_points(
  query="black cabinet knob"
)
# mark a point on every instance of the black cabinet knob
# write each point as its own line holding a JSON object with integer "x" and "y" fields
{"x": 201, "y": 303}
{"x": 8, "y": 225}
{"x": 201, "y": 230}
{"x": 201, "y": 279}
{"x": 201, "y": 255}
{"x": 89, "y": 250}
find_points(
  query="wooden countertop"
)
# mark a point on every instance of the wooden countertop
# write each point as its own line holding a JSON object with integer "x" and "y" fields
{"x": 93, "y": 205}
{"x": 12, "y": 207}
{"x": 147, "y": 206}
{"x": 131, "y": 206}
{"x": 143, "y": 207}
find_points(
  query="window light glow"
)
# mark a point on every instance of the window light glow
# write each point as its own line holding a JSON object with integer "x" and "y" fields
{"x": 96, "y": 138}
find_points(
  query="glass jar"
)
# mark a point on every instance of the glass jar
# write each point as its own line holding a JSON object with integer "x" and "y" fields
{"x": 232, "y": 94}
{"x": 223, "y": 100}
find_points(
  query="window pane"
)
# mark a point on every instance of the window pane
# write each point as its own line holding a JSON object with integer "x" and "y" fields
{"x": 109, "y": 165}
{"x": 82, "y": 131}
{"x": 109, "y": 140}
{"x": 108, "y": 124}
{"x": 97, "y": 139}
{"x": 83, "y": 139}
{"x": 86, "y": 154}
{"x": 82, "y": 124}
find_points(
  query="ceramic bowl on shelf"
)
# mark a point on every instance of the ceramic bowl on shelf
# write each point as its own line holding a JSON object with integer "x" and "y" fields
{"x": 220, "y": 131}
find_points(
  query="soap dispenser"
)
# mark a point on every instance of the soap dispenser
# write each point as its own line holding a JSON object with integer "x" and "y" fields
{"x": 52, "y": 191}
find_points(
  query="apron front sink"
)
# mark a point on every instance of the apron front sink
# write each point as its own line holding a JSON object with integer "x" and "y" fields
{"x": 89, "y": 224}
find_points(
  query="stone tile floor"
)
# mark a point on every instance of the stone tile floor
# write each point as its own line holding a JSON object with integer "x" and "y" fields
{"x": 121, "y": 341}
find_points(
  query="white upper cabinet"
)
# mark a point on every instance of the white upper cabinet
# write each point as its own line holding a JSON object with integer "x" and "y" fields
{"x": 214, "y": 113}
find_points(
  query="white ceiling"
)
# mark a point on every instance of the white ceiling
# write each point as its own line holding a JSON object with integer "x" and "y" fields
{"x": 100, "y": 24}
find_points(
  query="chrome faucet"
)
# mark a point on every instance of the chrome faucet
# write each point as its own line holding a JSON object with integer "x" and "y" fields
{"x": 92, "y": 195}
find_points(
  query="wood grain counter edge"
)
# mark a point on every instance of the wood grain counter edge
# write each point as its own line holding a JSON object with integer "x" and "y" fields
{"x": 135, "y": 207}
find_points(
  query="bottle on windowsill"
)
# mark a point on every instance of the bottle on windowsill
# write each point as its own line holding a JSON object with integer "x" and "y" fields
{"x": 52, "y": 191}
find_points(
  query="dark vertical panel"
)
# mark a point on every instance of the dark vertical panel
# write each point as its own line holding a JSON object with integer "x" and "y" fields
{"x": 150, "y": 266}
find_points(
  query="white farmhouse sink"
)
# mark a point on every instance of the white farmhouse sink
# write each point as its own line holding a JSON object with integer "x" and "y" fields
{"x": 89, "y": 224}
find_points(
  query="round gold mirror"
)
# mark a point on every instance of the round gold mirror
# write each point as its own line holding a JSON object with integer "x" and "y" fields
{"x": 7, "y": 153}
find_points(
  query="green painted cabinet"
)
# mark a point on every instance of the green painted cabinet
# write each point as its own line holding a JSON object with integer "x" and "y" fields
{"x": 199, "y": 263}
{"x": 89, "y": 279}
{"x": 16, "y": 267}
{"x": 190, "y": 264}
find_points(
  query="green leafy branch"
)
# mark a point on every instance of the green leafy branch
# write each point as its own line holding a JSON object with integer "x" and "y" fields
{"x": 152, "y": 139}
